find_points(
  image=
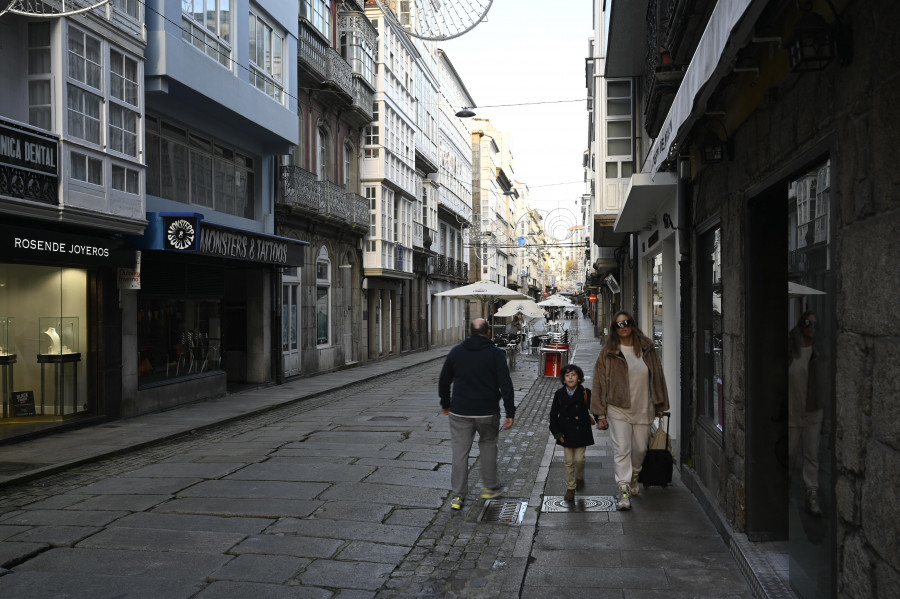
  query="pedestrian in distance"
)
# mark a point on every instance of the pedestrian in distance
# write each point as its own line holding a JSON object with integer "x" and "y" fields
{"x": 478, "y": 374}
{"x": 570, "y": 425}
{"x": 629, "y": 391}
{"x": 804, "y": 410}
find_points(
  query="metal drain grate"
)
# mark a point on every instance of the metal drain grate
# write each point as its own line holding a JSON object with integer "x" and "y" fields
{"x": 503, "y": 511}
{"x": 588, "y": 503}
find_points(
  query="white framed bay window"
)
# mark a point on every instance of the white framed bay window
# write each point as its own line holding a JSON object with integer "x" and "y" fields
{"x": 267, "y": 51}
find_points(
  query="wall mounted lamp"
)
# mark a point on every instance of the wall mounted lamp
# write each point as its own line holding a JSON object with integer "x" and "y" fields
{"x": 811, "y": 45}
{"x": 814, "y": 43}
{"x": 714, "y": 149}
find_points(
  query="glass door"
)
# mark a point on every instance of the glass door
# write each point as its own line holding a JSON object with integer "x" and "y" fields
{"x": 810, "y": 412}
{"x": 290, "y": 326}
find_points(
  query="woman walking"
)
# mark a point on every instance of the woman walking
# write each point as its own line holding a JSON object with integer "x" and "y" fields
{"x": 629, "y": 391}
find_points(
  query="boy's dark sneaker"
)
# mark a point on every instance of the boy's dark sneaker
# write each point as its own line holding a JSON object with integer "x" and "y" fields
{"x": 570, "y": 495}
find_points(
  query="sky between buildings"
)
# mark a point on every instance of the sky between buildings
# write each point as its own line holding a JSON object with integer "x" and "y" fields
{"x": 533, "y": 51}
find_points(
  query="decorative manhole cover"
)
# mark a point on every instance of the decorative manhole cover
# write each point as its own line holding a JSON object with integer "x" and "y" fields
{"x": 388, "y": 419}
{"x": 503, "y": 511}
{"x": 588, "y": 503}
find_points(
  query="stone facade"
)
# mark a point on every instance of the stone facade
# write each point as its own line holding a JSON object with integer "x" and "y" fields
{"x": 782, "y": 122}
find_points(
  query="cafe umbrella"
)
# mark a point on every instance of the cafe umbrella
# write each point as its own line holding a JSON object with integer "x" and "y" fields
{"x": 483, "y": 291}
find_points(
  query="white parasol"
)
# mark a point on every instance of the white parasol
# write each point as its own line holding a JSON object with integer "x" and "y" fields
{"x": 798, "y": 290}
{"x": 524, "y": 307}
{"x": 484, "y": 291}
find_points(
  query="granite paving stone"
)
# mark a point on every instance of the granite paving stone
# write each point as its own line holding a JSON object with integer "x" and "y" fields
{"x": 75, "y": 585}
{"x": 362, "y": 531}
{"x": 209, "y": 470}
{"x": 410, "y": 477}
{"x": 138, "y": 486}
{"x": 354, "y": 575}
{"x": 130, "y": 503}
{"x": 219, "y": 506}
{"x": 254, "y": 590}
{"x": 363, "y": 511}
{"x": 289, "y": 470}
{"x": 193, "y": 522}
{"x": 181, "y": 541}
{"x": 126, "y": 563}
{"x": 63, "y": 518}
{"x": 250, "y": 567}
{"x": 13, "y": 553}
{"x": 365, "y": 551}
{"x": 255, "y": 489}
{"x": 295, "y": 545}
{"x": 55, "y": 536}
{"x": 387, "y": 494}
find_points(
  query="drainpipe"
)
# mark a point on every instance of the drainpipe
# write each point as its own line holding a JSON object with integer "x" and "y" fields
{"x": 683, "y": 197}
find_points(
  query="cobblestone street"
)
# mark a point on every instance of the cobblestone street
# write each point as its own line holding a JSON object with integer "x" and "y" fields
{"x": 346, "y": 494}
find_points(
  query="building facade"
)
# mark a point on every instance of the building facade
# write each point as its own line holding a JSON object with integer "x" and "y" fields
{"x": 762, "y": 133}
{"x": 320, "y": 196}
{"x": 71, "y": 185}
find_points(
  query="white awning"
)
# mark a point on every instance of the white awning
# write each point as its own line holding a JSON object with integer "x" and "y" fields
{"x": 729, "y": 26}
{"x": 644, "y": 196}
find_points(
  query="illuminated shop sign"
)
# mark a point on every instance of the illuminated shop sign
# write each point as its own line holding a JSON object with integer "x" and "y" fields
{"x": 57, "y": 247}
{"x": 28, "y": 163}
{"x": 188, "y": 232}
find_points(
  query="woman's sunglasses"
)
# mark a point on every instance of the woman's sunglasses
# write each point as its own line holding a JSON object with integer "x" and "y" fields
{"x": 810, "y": 323}
{"x": 624, "y": 323}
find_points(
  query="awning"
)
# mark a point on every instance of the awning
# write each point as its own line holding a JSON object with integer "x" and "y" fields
{"x": 643, "y": 198}
{"x": 730, "y": 24}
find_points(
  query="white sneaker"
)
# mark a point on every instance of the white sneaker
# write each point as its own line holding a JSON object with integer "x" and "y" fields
{"x": 623, "y": 501}
{"x": 635, "y": 485}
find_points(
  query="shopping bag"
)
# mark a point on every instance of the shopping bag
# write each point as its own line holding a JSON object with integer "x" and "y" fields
{"x": 659, "y": 461}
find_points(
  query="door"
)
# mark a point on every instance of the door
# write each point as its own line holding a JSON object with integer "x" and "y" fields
{"x": 290, "y": 327}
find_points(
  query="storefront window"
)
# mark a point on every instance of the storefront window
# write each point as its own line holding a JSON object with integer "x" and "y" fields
{"x": 810, "y": 407}
{"x": 709, "y": 305}
{"x": 656, "y": 302}
{"x": 177, "y": 338}
{"x": 323, "y": 298}
{"x": 44, "y": 369}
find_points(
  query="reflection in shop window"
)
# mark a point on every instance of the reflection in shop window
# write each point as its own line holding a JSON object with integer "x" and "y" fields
{"x": 178, "y": 338}
{"x": 710, "y": 325}
{"x": 323, "y": 298}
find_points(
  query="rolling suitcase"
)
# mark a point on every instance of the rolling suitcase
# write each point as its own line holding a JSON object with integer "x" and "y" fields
{"x": 657, "y": 467}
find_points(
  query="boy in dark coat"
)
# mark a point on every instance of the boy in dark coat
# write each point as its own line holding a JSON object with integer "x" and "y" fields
{"x": 570, "y": 425}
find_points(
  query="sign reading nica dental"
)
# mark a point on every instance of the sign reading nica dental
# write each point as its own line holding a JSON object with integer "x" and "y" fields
{"x": 29, "y": 162}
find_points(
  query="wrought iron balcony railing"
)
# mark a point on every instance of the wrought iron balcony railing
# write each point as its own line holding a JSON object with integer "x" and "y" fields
{"x": 300, "y": 190}
{"x": 338, "y": 72}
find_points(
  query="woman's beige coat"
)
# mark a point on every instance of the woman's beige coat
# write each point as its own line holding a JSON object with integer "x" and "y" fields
{"x": 611, "y": 380}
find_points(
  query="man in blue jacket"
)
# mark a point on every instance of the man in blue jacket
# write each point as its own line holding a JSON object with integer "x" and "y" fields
{"x": 479, "y": 374}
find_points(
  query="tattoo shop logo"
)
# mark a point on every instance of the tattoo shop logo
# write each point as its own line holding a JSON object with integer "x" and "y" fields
{"x": 181, "y": 234}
